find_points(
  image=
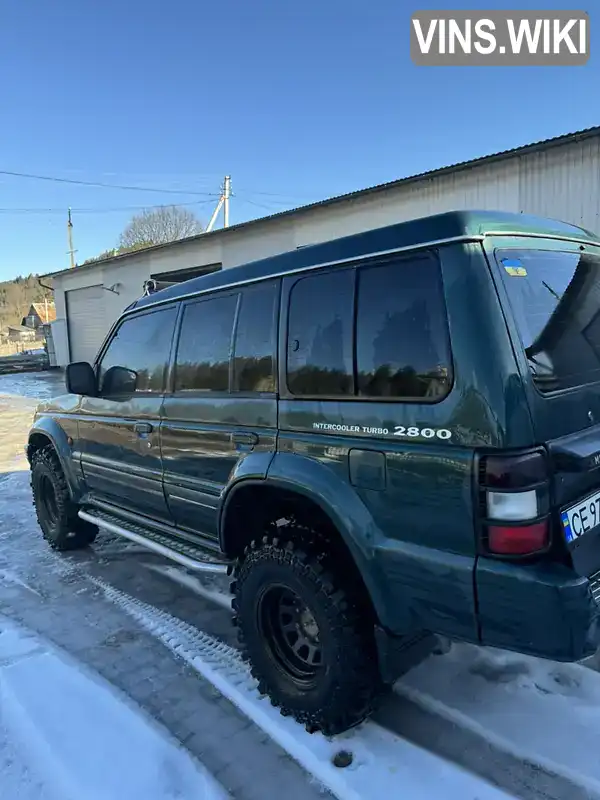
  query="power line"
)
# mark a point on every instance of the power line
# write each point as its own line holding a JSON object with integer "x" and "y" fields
{"x": 27, "y": 211}
{"x": 258, "y": 205}
{"x": 121, "y": 175}
{"x": 127, "y": 187}
{"x": 100, "y": 184}
{"x": 274, "y": 206}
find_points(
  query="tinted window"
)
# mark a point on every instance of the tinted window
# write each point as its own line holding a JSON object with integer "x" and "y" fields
{"x": 555, "y": 297}
{"x": 142, "y": 345}
{"x": 401, "y": 336}
{"x": 204, "y": 345}
{"x": 319, "y": 347}
{"x": 253, "y": 367}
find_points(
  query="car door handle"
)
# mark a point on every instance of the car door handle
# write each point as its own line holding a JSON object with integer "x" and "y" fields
{"x": 244, "y": 438}
{"x": 143, "y": 427}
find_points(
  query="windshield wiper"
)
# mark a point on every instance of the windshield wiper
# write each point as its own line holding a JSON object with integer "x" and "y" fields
{"x": 541, "y": 373}
{"x": 551, "y": 290}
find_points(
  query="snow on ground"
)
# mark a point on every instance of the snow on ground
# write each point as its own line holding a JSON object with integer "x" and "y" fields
{"x": 382, "y": 762}
{"x": 540, "y": 710}
{"x": 33, "y": 385}
{"x": 67, "y": 735}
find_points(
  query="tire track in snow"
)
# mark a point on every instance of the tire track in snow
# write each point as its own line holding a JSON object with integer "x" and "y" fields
{"x": 476, "y": 750}
{"x": 382, "y": 761}
{"x": 433, "y": 727}
{"x": 505, "y": 720}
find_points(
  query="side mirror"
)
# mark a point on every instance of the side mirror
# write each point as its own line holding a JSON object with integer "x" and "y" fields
{"x": 119, "y": 381}
{"x": 80, "y": 379}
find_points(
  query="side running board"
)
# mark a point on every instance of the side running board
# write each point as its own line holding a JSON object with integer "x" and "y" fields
{"x": 184, "y": 553}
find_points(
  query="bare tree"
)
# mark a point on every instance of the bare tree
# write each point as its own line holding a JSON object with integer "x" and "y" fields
{"x": 106, "y": 254}
{"x": 158, "y": 226}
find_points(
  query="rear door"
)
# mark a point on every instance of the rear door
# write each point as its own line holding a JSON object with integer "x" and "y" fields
{"x": 551, "y": 289}
{"x": 222, "y": 406}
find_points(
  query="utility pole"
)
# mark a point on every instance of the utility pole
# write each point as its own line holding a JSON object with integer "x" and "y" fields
{"x": 223, "y": 203}
{"x": 226, "y": 196}
{"x": 70, "y": 236}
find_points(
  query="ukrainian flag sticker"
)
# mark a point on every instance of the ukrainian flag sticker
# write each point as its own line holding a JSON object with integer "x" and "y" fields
{"x": 514, "y": 267}
{"x": 568, "y": 532}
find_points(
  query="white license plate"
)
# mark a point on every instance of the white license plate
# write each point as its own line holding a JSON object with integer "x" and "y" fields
{"x": 582, "y": 517}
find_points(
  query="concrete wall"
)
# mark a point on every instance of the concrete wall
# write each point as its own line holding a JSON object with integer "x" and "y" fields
{"x": 561, "y": 182}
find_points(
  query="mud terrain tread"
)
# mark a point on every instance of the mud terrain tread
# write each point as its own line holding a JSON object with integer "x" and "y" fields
{"x": 356, "y": 685}
{"x": 72, "y": 533}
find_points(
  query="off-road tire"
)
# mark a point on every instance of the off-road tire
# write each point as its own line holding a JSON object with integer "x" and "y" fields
{"x": 348, "y": 683}
{"x": 56, "y": 513}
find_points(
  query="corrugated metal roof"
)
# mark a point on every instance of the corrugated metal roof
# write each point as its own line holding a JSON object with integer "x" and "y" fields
{"x": 543, "y": 144}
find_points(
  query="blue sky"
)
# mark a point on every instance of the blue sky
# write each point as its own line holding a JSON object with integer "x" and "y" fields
{"x": 296, "y": 101}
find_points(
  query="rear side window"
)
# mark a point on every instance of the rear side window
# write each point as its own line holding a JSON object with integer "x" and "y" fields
{"x": 204, "y": 348}
{"x": 555, "y": 301}
{"x": 373, "y": 332}
{"x": 402, "y": 347}
{"x": 319, "y": 355}
{"x": 141, "y": 345}
{"x": 255, "y": 337}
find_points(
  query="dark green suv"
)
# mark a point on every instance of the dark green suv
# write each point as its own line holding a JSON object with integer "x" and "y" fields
{"x": 384, "y": 438}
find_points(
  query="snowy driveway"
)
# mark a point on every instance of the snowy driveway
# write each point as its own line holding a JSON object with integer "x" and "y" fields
{"x": 148, "y": 651}
{"x": 50, "y": 706}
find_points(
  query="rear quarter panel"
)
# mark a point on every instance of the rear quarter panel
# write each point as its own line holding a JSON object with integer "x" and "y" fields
{"x": 407, "y": 505}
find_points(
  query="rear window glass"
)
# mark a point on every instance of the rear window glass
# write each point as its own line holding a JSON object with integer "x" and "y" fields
{"x": 402, "y": 345}
{"x": 377, "y": 331}
{"x": 555, "y": 300}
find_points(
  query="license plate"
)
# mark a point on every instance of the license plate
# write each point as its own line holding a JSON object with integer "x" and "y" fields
{"x": 582, "y": 517}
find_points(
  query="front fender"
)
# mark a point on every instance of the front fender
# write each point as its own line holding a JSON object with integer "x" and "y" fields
{"x": 50, "y": 429}
{"x": 338, "y": 500}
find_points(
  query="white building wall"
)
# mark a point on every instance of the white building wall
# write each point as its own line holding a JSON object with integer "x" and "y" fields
{"x": 561, "y": 182}
{"x": 494, "y": 187}
{"x": 262, "y": 241}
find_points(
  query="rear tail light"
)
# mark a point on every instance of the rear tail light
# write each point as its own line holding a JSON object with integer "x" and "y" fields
{"x": 514, "y": 504}
{"x": 518, "y": 541}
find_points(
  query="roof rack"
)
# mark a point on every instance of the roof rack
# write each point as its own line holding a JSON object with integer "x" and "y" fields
{"x": 152, "y": 286}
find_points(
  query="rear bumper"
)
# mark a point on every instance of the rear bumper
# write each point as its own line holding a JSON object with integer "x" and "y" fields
{"x": 543, "y": 611}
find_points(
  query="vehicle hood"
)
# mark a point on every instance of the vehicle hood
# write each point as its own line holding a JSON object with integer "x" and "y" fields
{"x": 63, "y": 404}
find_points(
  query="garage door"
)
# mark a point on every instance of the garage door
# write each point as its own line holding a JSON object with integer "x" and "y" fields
{"x": 86, "y": 320}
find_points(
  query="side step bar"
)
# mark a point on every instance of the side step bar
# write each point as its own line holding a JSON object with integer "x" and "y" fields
{"x": 183, "y": 553}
